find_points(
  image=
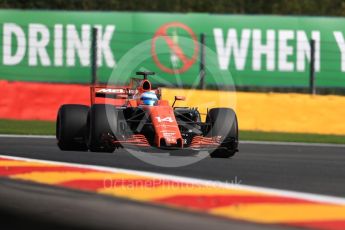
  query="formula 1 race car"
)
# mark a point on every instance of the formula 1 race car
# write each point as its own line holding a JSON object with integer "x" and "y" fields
{"x": 138, "y": 117}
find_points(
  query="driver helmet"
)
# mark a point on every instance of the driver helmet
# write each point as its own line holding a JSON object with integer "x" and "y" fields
{"x": 148, "y": 98}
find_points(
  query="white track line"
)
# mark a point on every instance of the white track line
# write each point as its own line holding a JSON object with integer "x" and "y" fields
{"x": 270, "y": 191}
{"x": 241, "y": 142}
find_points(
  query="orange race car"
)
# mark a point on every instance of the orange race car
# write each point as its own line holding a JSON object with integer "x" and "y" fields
{"x": 136, "y": 116}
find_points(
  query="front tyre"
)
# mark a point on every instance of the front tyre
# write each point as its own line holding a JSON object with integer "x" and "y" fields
{"x": 102, "y": 120}
{"x": 71, "y": 127}
{"x": 224, "y": 124}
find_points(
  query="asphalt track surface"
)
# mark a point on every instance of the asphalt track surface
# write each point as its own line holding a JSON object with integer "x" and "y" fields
{"x": 306, "y": 168}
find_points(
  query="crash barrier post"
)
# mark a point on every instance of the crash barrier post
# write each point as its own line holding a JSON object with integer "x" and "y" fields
{"x": 94, "y": 56}
{"x": 202, "y": 71}
{"x": 312, "y": 88}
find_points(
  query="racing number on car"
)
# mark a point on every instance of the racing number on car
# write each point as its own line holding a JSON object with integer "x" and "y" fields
{"x": 166, "y": 119}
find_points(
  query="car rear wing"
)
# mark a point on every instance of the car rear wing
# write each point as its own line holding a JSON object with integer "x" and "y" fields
{"x": 119, "y": 94}
{"x": 106, "y": 91}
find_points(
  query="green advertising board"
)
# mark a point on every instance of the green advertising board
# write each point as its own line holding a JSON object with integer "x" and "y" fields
{"x": 55, "y": 46}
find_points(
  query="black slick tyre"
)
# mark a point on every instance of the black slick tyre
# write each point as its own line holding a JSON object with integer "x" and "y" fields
{"x": 71, "y": 127}
{"x": 224, "y": 124}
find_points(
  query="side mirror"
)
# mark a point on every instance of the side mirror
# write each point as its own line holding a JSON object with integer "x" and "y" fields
{"x": 178, "y": 98}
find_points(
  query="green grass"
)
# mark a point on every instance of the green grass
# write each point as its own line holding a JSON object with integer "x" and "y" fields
{"x": 48, "y": 128}
{"x": 27, "y": 127}
{"x": 291, "y": 137}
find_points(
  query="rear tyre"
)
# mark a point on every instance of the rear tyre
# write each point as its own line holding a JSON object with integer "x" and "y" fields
{"x": 71, "y": 127}
{"x": 224, "y": 124}
{"x": 102, "y": 120}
